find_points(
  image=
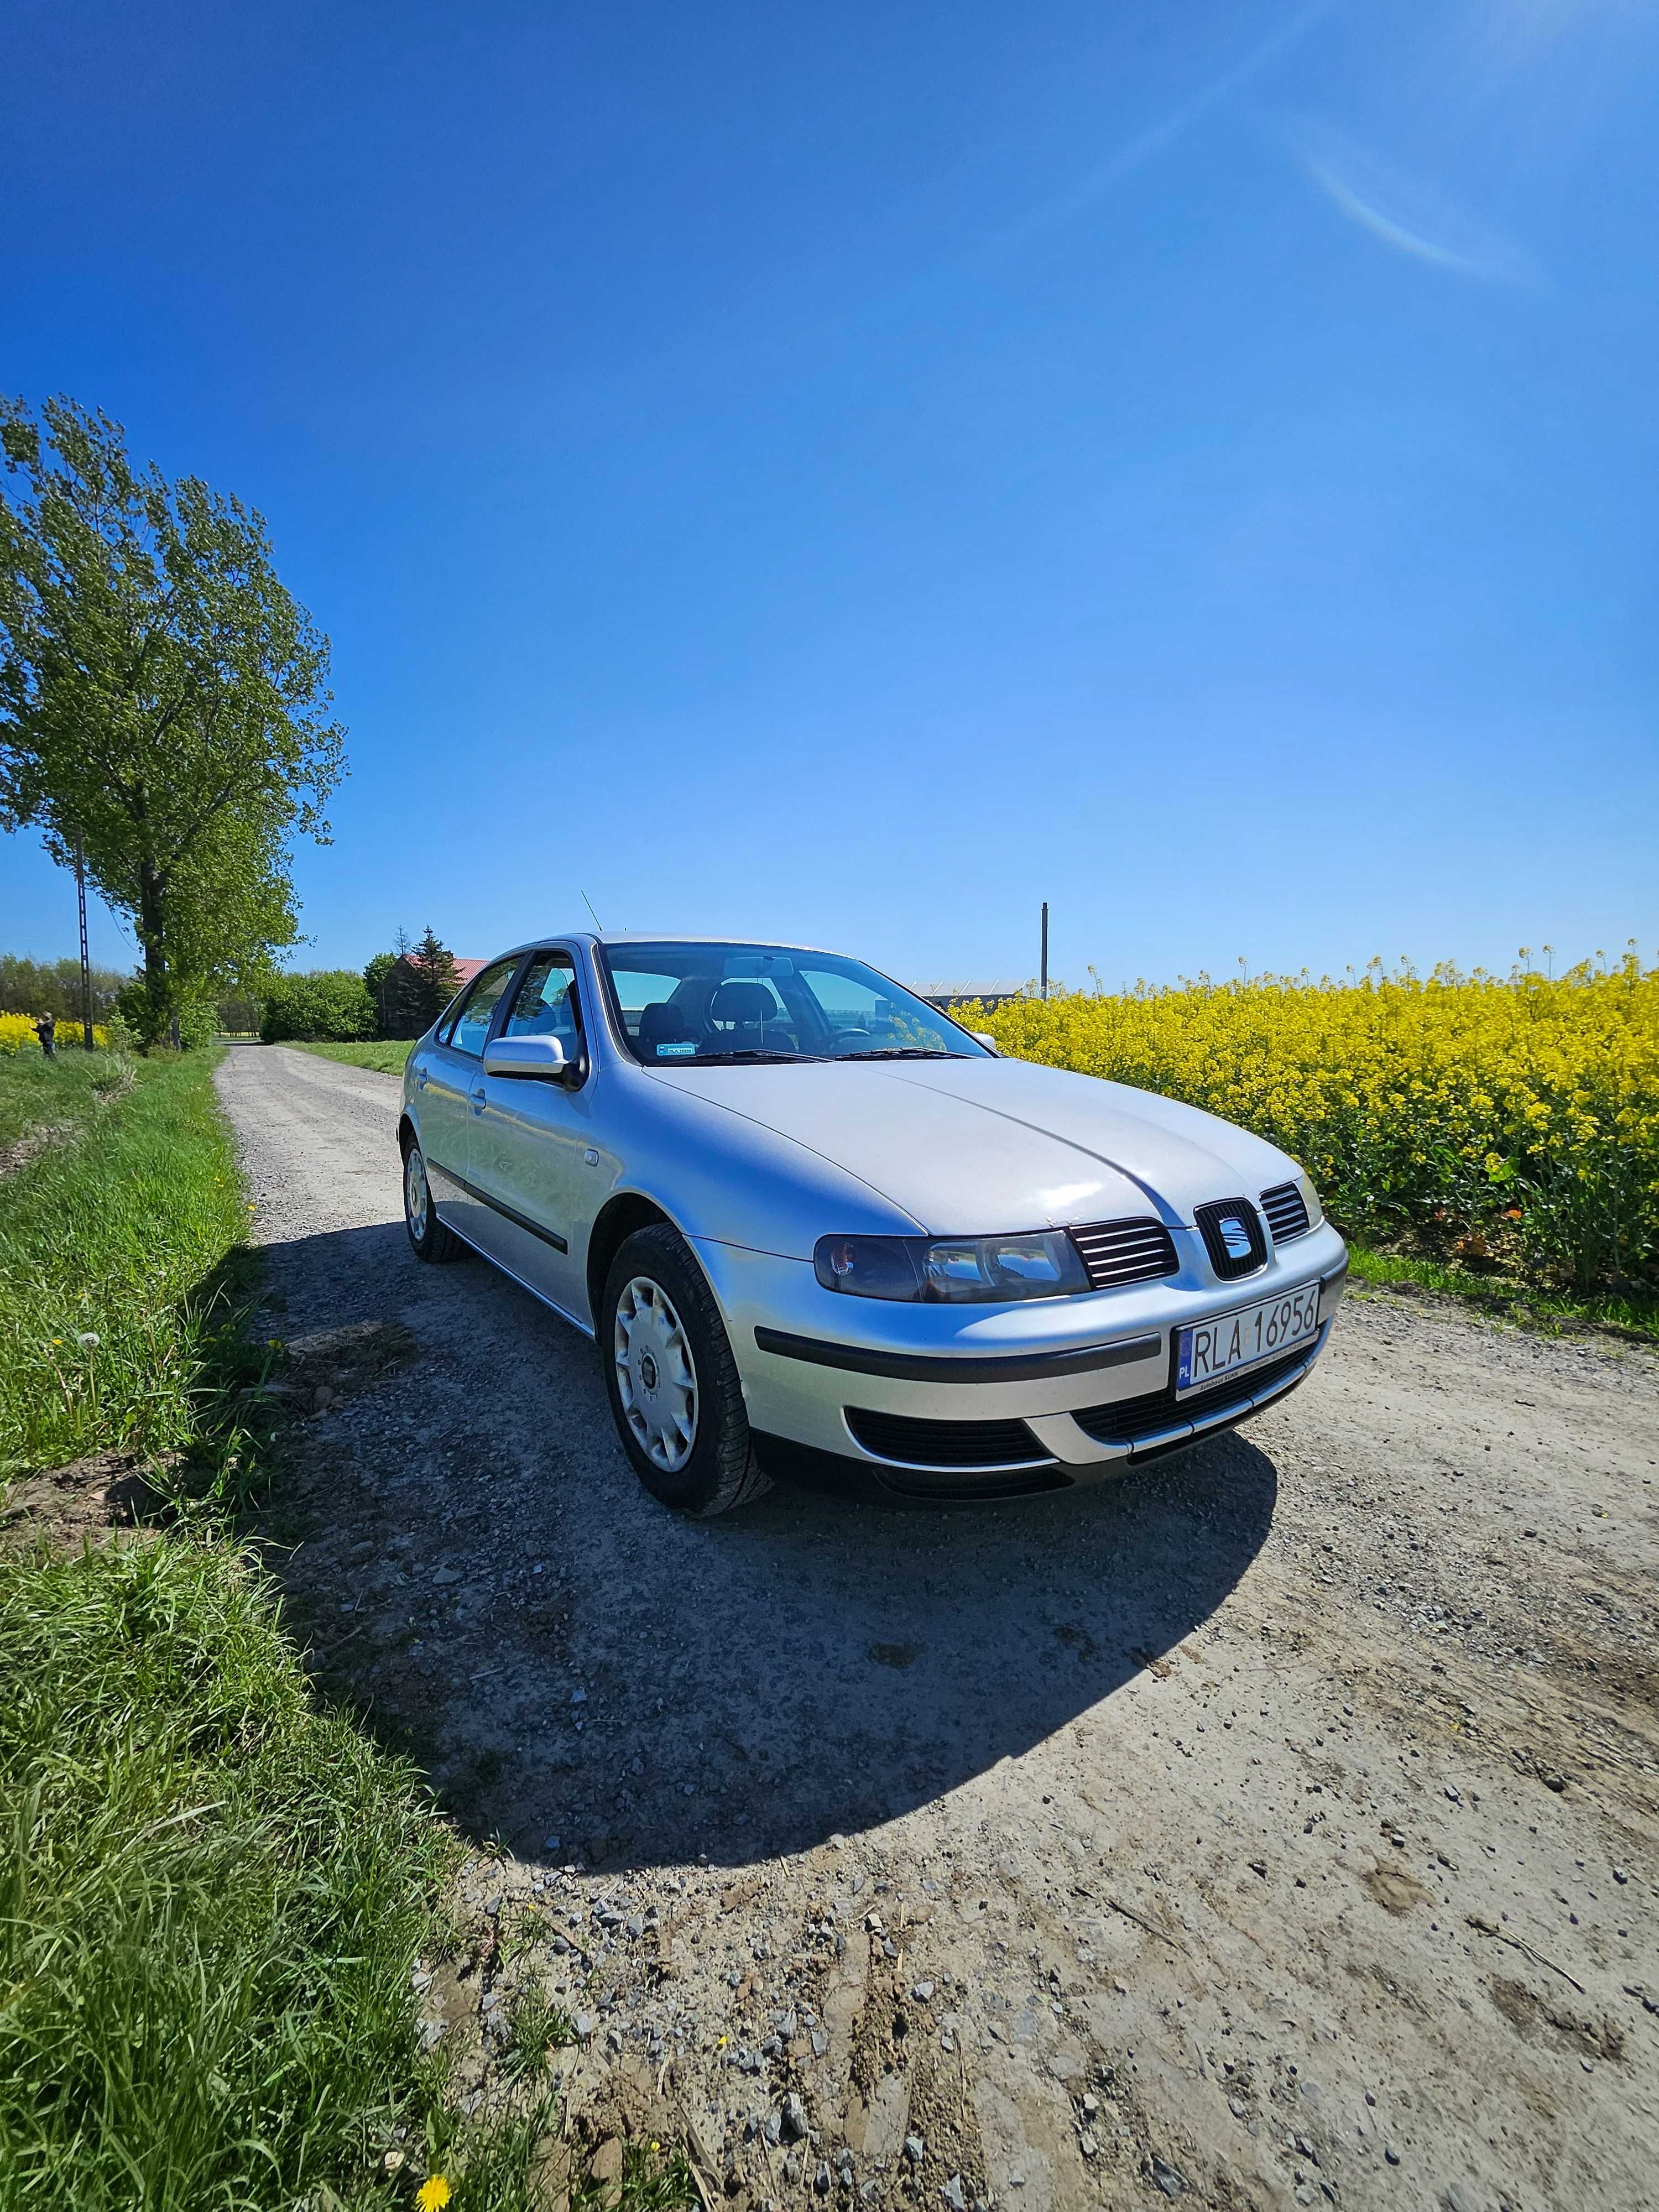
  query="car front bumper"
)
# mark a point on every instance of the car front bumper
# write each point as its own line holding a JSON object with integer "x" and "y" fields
{"x": 963, "y": 1402}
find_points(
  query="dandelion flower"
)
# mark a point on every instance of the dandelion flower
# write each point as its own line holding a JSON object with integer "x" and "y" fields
{"x": 432, "y": 2194}
{"x": 88, "y": 1339}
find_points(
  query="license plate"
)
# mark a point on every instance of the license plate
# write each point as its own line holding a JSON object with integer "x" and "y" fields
{"x": 1211, "y": 1350}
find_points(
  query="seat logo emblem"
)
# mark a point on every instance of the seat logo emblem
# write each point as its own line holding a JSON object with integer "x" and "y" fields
{"x": 647, "y": 1371}
{"x": 1236, "y": 1236}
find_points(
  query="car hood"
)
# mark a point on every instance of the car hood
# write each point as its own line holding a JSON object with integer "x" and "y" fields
{"x": 995, "y": 1145}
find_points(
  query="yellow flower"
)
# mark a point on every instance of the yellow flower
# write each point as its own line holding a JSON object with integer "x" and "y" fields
{"x": 432, "y": 2194}
{"x": 1410, "y": 1100}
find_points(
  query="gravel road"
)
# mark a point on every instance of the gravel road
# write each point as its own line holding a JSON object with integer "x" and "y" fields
{"x": 1275, "y": 1827}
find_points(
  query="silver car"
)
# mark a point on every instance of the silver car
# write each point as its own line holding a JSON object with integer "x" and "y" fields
{"x": 817, "y": 1229}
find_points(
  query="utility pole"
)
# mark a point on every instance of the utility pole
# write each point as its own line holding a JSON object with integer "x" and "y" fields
{"x": 86, "y": 965}
{"x": 1045, "y": 948}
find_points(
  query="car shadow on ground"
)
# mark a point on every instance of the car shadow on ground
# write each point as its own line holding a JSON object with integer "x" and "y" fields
{"x": 483, "y": 1576}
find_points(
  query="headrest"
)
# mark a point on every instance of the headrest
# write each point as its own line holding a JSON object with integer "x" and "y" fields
{"x": 741, "y": 1002}
{"x": 661, "y": 1023}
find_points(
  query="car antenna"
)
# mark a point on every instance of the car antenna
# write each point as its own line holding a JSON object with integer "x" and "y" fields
{"x": 588, "y": 903}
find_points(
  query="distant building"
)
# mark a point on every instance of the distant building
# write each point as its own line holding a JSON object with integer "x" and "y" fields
{"x": 405, "y": 1006}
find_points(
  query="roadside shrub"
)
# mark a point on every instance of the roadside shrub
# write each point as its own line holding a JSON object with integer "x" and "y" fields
{"x": 329, "y": 1005}
{"x": 198, "y": 1019}
{"x": 1498, "y": 1118}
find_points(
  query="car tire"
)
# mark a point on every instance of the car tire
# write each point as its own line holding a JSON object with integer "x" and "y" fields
{"x": 428, "y": 1239}
{"x": 659, "y": 1331}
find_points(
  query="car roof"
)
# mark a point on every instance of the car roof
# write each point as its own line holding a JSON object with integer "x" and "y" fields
{"x": 622, "y": 937}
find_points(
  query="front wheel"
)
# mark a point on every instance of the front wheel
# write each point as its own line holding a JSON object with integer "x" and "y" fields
{"x": 672, "y": 1383}
{"x": 428, "y": 1239}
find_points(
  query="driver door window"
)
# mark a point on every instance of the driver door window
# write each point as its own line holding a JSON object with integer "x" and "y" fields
{"x": 545, "y": 1004}
{"x": 471, "y": 1026}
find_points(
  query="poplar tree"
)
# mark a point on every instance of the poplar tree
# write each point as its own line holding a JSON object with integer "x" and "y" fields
{"x": 162, "y": 696}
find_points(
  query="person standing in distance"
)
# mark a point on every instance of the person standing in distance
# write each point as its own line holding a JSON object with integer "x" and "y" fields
{"x": 46, "y": 1030}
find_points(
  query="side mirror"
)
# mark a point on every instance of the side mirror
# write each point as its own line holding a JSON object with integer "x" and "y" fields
{"x": 534, "y": 1058}
{"x": 984, "y": 1037}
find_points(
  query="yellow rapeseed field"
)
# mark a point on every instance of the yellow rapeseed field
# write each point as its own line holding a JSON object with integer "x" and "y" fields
{"x": 1511, "y": 1118}
{"x": 17, "y": 1034}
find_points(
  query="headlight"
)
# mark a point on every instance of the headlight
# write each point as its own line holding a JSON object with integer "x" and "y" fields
{"x": 1310, "y": 1197}
{"x": 951, "y": 1270}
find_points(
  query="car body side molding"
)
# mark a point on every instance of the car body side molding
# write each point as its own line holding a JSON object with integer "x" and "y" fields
{"x": 510, "y": 1213}
{"x": 921, "y": 1367}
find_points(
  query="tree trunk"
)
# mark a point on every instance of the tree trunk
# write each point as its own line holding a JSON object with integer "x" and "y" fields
{"x": 158, "y": 1009}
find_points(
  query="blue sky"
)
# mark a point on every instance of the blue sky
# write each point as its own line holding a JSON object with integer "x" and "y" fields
{"x": 849, "y": 474}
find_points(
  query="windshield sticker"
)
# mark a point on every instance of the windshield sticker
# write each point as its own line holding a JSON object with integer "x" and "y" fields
{"x": 675, "y": 1051}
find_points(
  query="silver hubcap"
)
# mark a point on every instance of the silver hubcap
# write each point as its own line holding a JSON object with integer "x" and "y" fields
{"x": 656, "y": 1375}
{"x": 415, "y": 1199}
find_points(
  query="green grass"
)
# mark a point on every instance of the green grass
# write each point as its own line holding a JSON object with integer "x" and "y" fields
{"x": 118, "y": 1277}
{"x": 63, "y": 1093}
{"x": 212, "y": 1889}
{"x": 211, "y": 1895}
{"x": 388, "y": 1056}
{"x": 1633, "y": 1316}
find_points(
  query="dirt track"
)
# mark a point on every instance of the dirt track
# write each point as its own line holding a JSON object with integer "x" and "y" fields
{"x": 1277, "y": 1826}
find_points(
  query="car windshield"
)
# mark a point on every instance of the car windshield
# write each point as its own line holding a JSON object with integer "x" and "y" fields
{"x": 749, "y": 1004}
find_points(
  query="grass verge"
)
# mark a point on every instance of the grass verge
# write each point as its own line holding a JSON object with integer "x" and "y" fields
{"x": 1521, "y": 1302}
{"x": 387, "y": 1056}
{"x": 61, "y": 1095}
{"x": 120, "y": 1264}
{"x": 211, "y": 1895}
{"x": 212, "y": 1889}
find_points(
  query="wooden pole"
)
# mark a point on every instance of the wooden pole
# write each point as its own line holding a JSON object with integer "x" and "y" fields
{"x": 86, "y": 964}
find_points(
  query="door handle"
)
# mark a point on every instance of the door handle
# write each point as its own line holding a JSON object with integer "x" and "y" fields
{"x": 478, "y": 1096}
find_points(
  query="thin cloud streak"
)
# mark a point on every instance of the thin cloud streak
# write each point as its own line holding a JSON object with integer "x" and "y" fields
{"x": 1141, "y": 148}
{"x": 1409, "y": 216}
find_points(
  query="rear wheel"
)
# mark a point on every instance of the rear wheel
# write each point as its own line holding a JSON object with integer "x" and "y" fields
{"x": 428, "y": 1238}
{"x": 672, "y": 1380}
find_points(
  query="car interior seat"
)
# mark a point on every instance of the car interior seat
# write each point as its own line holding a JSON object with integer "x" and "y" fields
{"x": 753, "y": 1013}
{"x": 661, "y": 1023}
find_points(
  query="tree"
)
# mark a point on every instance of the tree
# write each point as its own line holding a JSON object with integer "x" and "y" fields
{"x": 328, "y": 1003}
{"x": 39, "y": 986}
{"x": 437, "y": 979}
{"x": 387, "y": 978}
{"x": 161, "y": 693}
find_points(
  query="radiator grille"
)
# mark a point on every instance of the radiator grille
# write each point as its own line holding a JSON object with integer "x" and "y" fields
{"x": 1286, "y": 1210}
{"x": 1131, "y": 1418}
{"x": 945, "y": 1443}
{"x": 1115, "y": 1252}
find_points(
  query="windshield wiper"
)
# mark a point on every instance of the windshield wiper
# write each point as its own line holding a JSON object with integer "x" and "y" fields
{"x": 714, "y": 1059}
{"x": 901, "y": 1052}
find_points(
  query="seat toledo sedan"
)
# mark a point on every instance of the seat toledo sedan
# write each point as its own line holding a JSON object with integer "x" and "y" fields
{"x": 816, "y": 1228}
